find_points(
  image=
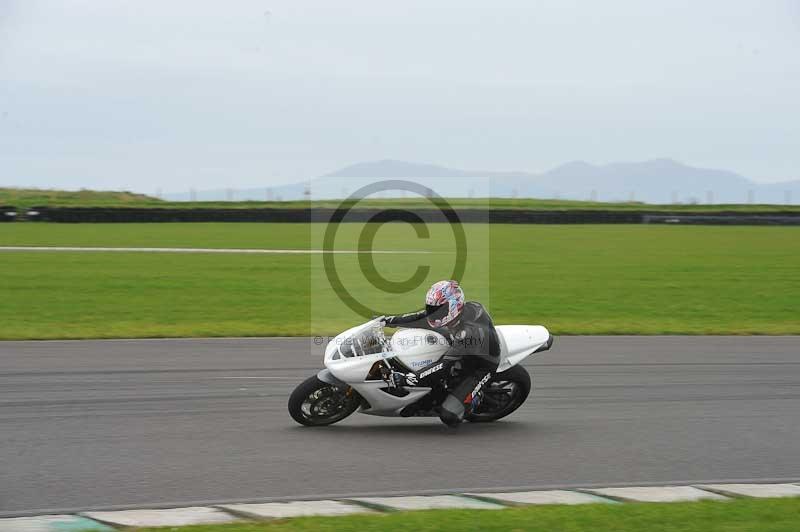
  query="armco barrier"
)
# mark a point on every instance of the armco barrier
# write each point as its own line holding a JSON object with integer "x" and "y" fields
{"x": 786, "y": 218}
{"x": 499, "y": 216}
{"x": 7, "y": 213}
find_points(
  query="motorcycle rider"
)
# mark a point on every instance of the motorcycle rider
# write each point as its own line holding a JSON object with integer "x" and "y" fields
{"x": 474, "y": 346}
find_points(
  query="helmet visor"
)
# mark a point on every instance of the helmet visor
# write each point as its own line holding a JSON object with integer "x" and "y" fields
{"x": 436, "y": 312}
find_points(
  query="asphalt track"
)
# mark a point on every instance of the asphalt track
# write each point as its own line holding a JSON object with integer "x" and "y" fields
{"x": 104, "y": 424}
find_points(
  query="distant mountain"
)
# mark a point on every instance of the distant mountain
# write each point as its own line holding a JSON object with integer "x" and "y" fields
{"x": 654, "y": 181}
{"x": 392, "y": 169}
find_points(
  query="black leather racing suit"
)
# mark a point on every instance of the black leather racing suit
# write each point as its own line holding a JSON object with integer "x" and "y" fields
{"x": 473, "y": 343}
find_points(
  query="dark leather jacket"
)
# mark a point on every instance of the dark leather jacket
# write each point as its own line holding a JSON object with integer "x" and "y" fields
{"x": 471, "y": 334}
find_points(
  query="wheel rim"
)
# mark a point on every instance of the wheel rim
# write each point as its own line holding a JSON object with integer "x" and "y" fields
{"x": 327, "y": 404}
{"x": 499, "y": 397}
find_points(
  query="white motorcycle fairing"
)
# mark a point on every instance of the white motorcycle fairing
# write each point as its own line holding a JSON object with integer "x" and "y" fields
{"x": 418, "y": 348}
{"x": 352, "y": 355}
{"x": 519, "y": 341}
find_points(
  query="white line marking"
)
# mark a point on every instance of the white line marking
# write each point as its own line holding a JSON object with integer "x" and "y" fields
{"x": 211, "y": 250}
{"x": 657, "y": 493}
{"x": 428, "y": 502}
{"x": 754, "y": 490}
{"x": 544, "y": 497}
{"x": 281, "y": 510}
{"x": 192, "y": 515}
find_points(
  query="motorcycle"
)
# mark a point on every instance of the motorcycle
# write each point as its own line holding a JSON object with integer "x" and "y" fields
{"x": 361, "y": 365}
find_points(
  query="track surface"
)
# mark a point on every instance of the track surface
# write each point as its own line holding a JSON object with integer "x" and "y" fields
{"x": 115, "y": 423}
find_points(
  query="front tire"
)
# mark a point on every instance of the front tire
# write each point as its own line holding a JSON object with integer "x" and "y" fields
{"x": 502, "y": 395}
{"x": 315, "y": 403}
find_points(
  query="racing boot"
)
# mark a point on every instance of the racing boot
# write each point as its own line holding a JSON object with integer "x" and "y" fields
{"x": 463, "y": 399}
{"x": 452, "y": 411}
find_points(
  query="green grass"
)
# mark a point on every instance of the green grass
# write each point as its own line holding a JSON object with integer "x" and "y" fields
{"x": 26, "y": 198}
{"x": 574, "y": 279}
{"x": 205, "y": 235}
{"x": 744, "y": 515}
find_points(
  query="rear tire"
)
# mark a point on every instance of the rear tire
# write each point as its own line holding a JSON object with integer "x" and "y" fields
{"x": 315, "y": 403}
{"x": 502, "y": 395}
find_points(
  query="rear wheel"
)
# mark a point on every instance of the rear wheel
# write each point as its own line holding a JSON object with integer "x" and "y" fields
{"x": 502, "y": 395}
{"x": 316, "y": 403}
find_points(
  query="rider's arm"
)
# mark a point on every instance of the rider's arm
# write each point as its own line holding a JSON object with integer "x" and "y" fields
{"x": 412, "y": 319}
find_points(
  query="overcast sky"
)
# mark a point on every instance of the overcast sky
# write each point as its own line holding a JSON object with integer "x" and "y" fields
{"x": 147, "y": 95}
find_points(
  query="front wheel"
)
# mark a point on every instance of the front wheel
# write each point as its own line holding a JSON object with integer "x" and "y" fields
{"x": 502, "y": 395}
{"x": 316, "y": 403}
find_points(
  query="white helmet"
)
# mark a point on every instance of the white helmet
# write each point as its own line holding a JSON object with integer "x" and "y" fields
{"x": 444, "y": 303}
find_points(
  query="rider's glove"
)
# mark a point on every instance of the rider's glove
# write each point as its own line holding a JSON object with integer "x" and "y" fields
{"x": 398, "y": 379}
{"x": 404, "y": 379}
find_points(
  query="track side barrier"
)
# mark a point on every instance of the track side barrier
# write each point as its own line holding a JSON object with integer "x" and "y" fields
{"x": 498, "y": 216}
{"x": 8, "y": 213}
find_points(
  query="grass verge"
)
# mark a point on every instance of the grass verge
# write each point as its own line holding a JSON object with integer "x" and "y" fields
{"x": 744, "y": 515}
{"x": 573, "y": 279}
